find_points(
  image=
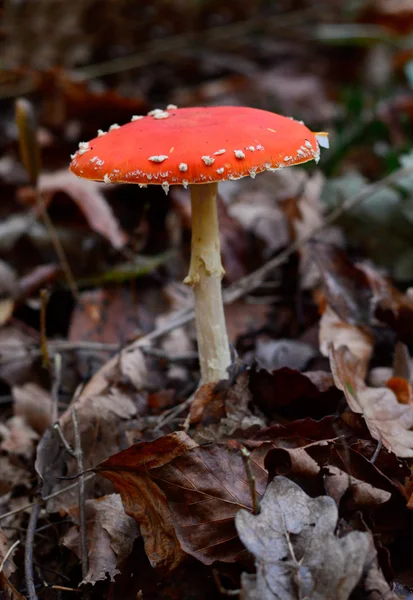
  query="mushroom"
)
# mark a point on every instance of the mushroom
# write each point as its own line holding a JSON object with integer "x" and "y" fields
{"x": 199, "y": 147}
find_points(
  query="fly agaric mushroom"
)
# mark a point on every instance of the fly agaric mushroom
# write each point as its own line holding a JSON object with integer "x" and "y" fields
{"x": 199, "y": 147}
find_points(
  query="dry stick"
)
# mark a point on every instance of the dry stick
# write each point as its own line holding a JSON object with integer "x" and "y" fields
{"x": 28, "y": 553}
{"x": 30, "y": 156}
{"x": 16, "y": 511}
{"x": 56, "y": 244}
{"x": 31, "y": 350}
{"x": 245, "y": 453}
{"x": 56, "y": 380}
{"x": 82, "y": 505}
{"x": 8, "y": 554}
{"x": 170, "y": 414}
{"x": 43, "y": 335}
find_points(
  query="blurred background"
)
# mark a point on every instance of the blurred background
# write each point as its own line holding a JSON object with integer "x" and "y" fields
{"x": 342, "y": 67}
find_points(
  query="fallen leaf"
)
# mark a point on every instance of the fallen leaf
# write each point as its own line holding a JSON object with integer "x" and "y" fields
{"x": 295, "y": 462}
{"x": 336, "y": 332}
{"x": 338, "y": 483}
{"x": 34, "y": 405}
{"x": 295, "y": 91}
{"x": 104, "y": 408}
{"x": 297, "y": 553}
{"x": 207, "y": 398}
{"x": 9, "y": 289}
{"x": 290, "y": 393}
{"x": 130, "y": 473}
{"x": 89, "y": 197}
{"x": 105, "y": 316}
{"x": 305, "y": 213}
{"x": 392, "y": 307}
{"x": 199, "y": 491}
{"x": 12, "y": 474}
{"x": 389, "y": 422}
{"x": 302, "y": 431}
{"x": 6, "y": 587}
{"x": 243, "y": 318}
{"x": 16, "y": 361}
{"x": 37, "y": 278}
{"x": 9, "y": 567}
{"x": 18, "y": 437}
{"x": 346, "y": 287}
{"x": 276, "y": 354}
{"x": 376, "y": 586}
{"x": 110, "y": 536}
{"x": 264, "y": 220}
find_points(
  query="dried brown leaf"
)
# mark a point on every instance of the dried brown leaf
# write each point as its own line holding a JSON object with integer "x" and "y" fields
{"x": 104, "y": 407}
{"x": 16, "y": 362}
{"x": 346, "y": 287}
{"x": 203, "y": 487}
{"x": 34, "y": 405}
{"x": 338, "y": 483}
{"x": 89, "y": 197}
{"x": 130, "y": 472}
{"x": 110, "y": 536}
{"x": 291, "y": 393}
{"x": 297, "y": 553}
{"x": 334, "y": 331}
{"x": 18, "y": 437}
{"x": 388, "y": 421}
{"x": 106, "y": 316}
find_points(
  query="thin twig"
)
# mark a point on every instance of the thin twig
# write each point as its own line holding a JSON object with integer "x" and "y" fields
{"x": 16, "y": 511}
{"x": 56, "y": 380}
{"x": 172, "y": 413}
{"x": 162, "y": 355}
{"x": 82, "y": 505}
{"x": 28, "y": 554}
{"x": 8, "y": 554}
{"x": 30, "y": 156}
{"x": 43, "y": 334}
{"x": 56, "y": 244}
{"x": 64, "y": 441}
{"x": 377, "y": 451}
{"x": 245, "y": 453}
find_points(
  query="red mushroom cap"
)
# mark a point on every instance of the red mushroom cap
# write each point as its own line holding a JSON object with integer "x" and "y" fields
{"x": 195, "y": 145}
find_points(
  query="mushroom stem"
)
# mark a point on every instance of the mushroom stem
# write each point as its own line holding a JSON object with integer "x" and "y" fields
{"x": 205, "y": 274}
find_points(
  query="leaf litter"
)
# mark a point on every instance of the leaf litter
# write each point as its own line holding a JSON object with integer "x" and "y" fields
{"x": 291, "y": 479}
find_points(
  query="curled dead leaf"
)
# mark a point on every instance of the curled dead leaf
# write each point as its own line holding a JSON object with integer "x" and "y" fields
{"x": 337, "y": 332}
{"x": 389, "y": 422}
{"x": 110, "y": 536}
{"x": 130, "y": 472}
{"x": 89, "y": 197}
